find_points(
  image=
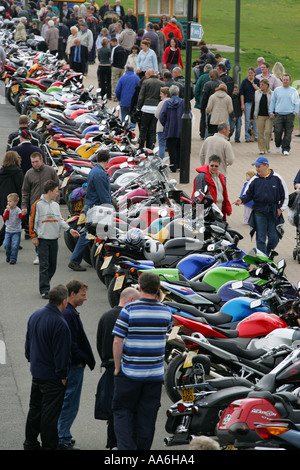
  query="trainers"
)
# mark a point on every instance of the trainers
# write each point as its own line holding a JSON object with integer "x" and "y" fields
{"x": 76, "y": 267}
{"x": 36, "y": 260}
{"x": 278, "y": 150}
{"x": 285, "y": 152}
{"x": 45, "y": 295}
{"x": 12, "y": 261}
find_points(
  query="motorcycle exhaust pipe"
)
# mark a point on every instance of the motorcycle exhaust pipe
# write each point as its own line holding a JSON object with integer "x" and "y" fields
{"x": 170, "y": 441}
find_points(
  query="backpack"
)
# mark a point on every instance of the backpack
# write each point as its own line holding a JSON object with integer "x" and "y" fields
{"x": 92, "y": 24}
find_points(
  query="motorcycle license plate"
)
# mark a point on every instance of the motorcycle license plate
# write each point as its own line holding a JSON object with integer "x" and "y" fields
{"x": 98, "y": 251}
{"x": 33, "y": 116}
{"x": 106, "y": 262}
{"x": 187, "y": 394}
{"x": 119, "y": 282}
{"x": 15, "y": 88}
{"x": 230, "y": 447}
{"x": 188, "y": 359}
{"x": 6, "y": 80}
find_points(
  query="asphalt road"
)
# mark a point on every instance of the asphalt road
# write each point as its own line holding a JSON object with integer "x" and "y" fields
{"x": 19, "y": 298}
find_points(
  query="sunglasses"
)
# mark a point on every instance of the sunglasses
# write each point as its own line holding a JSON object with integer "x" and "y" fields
{"x": 214, "y": 166}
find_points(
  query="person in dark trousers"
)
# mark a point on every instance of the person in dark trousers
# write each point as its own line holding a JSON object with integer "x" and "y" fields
{"x": 103, "y": 405}
{"x": 45, "y": 225}
{"x": 81, "y": 355}
{"x": 269, "y": 194}
{"x": 148, "y": 99}
{"x": 48, "y": 349}
{"x": 170, "y": 117}
{"x": 97, "y": 193}
{"x": 139, "y": 350}
{"x": 79, "y": 56}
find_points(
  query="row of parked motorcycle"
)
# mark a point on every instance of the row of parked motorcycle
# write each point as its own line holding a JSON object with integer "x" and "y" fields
{"x": 232, "y": 357}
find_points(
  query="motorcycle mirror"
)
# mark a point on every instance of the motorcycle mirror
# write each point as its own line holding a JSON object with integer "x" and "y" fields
{"x": 196, "y": 194}
{"x": 117, "y": 107}
{"x": 211, "y": 247}
{"x": 258, "y": 271}
{"x": 98, "y": 91}
{"x": 82, "y": 141}
{"x": 255, "y": 303}
{"x": 237, "y": 285}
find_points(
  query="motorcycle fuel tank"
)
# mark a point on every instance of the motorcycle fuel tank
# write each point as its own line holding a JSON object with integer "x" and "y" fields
{"x": 192, "y": 265}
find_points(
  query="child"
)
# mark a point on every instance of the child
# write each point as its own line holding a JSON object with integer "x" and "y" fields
{"x": 12, "y": 217}
{"x": 237, "y": 111}
{"x": 248, "y": 205}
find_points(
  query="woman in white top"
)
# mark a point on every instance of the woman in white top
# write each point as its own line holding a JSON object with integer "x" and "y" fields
{"x": 70, "y": 41}
{"x": 146, "y": 59}
{"x": 132, "y": 58}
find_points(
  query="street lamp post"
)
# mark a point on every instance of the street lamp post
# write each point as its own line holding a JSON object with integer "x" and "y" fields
{"x": 186, "y": 123}
{"x": 237, "y": 65}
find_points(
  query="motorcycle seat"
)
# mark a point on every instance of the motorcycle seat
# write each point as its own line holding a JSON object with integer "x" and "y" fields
{"x": 198, "y": 286}
{"x": 234, "y": 348}
{"x": 225, "y": 382}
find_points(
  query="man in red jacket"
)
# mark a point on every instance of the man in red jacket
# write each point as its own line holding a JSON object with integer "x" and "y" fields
{"x": 210, "y": 175}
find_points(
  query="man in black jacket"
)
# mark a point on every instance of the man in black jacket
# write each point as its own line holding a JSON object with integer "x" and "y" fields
{"x": 81, "y": 355}
{"x": 105, "y": 350}
{"x": 48, "y": 349}
{"x": 148, "y": 99}
{"x": 118, "y": 60}
{"x": 25, "y": 149}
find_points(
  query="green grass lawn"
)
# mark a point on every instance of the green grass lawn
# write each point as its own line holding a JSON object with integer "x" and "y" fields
{"x": 270, "y": 28}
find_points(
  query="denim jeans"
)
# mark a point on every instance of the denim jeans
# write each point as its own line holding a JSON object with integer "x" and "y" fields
{"x": 161, "y": 144}
{"x": 235, "y": 125}
{"x": 247, "y": 111}
{"x": 80, "y": 247}
{"x": 47, "y": 262}
{"x": 265, "y": 226}
{"x": 70, "y": 405}
{"x": 11, "y": 244}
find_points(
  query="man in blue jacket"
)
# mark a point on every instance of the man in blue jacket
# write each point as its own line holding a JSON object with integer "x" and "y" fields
{"x": 97, "y": 193}
{"x": 81, "y": 355}
{"x": 125, "y": 90}
{"x": 48, "y": 349}
{"x": 270, "y": 197}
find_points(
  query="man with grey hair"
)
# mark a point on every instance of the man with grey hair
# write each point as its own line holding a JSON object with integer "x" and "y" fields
{"x": 125, "y": 90}
{"x": 218, "y": 144}
{"x": 170, "y": 117}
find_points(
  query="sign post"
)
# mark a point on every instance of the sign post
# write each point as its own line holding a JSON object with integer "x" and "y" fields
{"x": 194, "y": 33}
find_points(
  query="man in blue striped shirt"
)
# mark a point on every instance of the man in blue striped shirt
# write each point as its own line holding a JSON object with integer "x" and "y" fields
{"x": 139, "y": 348}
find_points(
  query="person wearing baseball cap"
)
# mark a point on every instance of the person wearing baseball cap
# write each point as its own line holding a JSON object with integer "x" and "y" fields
{"x": 269, "y": 194}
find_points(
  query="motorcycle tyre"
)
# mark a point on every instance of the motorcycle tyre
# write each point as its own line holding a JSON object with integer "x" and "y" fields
{"x": 170, "y": 381}
{"x": 10, "y": 97}
{"x": 18, "y": 105}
